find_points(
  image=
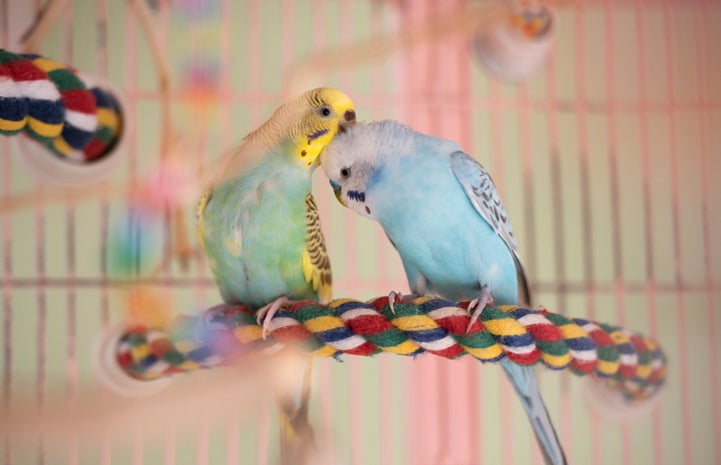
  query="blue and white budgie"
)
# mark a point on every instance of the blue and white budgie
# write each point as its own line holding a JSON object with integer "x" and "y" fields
{"x": 259, "y": 228}
{"x": 442, "y": 212}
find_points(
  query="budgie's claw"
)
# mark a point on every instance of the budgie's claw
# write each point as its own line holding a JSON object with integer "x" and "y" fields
{"x": 476, "y": 306}
{"x": 392, "y": 297}
{"x": 265, "y": 314}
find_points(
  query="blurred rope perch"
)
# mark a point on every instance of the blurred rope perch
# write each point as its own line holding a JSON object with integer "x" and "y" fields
{"x": 633, "y": 364}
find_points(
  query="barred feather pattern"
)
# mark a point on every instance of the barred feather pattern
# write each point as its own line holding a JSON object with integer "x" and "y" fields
{"x": 482, "y": 192}
{"x": 316, "y": 264}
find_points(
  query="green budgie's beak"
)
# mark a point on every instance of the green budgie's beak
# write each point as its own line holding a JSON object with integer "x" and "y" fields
{"x": 336, "y": 191}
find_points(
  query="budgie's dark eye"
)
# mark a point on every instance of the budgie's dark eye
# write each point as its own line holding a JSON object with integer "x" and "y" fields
{"x": 345, "y": 172}
{"x": 324, "y": 111}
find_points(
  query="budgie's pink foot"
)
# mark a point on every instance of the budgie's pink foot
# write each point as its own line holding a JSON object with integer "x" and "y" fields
{"x": 269, "y": 311}
{"x": 476, "y": 306}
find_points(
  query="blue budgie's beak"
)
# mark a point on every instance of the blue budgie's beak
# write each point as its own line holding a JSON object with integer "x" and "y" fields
{"x": 336, "y": 191}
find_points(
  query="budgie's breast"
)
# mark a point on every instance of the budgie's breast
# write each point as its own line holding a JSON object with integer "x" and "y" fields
{"x": 253, "y": 231}
{"x": 435, "y": 228}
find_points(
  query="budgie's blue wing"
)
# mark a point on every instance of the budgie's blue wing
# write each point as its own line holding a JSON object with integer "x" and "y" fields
{"x": 482, "y": 193}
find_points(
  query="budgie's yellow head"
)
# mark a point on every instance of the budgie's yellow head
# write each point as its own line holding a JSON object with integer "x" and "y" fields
{"x": 328, "y": 112}
{"x": 308, "y": 122}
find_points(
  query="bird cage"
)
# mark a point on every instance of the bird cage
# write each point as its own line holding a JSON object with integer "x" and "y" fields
{"x": 600, "y": 125}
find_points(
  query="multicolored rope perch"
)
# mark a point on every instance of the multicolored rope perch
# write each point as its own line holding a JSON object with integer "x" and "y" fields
{"x": 634, "y": 364}
{"x": 74, "y": 118}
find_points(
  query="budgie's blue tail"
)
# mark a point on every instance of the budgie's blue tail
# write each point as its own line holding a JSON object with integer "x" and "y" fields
{"x": 524, "y": 381}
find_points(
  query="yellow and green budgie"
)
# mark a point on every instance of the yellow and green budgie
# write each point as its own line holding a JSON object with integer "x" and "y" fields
{"x": 259, "y": 228}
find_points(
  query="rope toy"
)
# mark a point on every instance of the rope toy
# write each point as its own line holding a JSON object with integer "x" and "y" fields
{"x": 631, "y": 363}
{"x": 72, "y": 116}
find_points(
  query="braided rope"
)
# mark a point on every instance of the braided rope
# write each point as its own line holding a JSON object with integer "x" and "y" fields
{"x": 73, "y": 117}
{"x": 632, "y": 363}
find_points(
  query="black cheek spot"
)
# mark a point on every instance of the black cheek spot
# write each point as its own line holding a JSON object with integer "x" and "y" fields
{"x": 303, "y": 153}
{"x": 368, "y": 210}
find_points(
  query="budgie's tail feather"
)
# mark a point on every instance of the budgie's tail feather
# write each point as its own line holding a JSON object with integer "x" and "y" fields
{"x": 297, "y": 439}
{"x": 524, "y": 289}
{"x": 524, "y": 382}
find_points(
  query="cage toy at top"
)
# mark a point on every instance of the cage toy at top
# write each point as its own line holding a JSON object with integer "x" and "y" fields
{"x": 514, "y": 47}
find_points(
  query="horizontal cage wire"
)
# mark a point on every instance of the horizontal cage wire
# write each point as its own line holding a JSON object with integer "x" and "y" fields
{"x": 606, "y": 159}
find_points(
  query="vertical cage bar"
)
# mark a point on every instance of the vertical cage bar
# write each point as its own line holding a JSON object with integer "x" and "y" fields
{"x": 619, "y": 287}
{"x": 131, "y": 60}
{"x": 198, "y": 106}
{"x": 170, "y": 441}
{"x": 701, "y": 41}
{"x": 498, "y": 110}
{"x": 557, "y": 213}
{"x": 42, "y": 312}
{"x": 386, "y": 367}
{"x": 448, "y": 74}
{"x": 522, "y": 108}
{"x": 589, "y": 285}
{"x": 437, "y": 56}
{"x": 7, "y": 458}
{"x": 170, "y": 438}
{"x": 650, "y": 268}
{"x": 441, "y": 387}
{"x": 71, "y": 314}
{"x": 468, "y": 372}
{"x": 255, "y": 92}
{"x": 676, "y": 221}
{"x": 326, "y": 410}
{"x": 102, "y": 66}
{"x": 41, "y": 330}
{"x": 263, "y": 436}
{"x": 423, "y": 430}
{"x": 7, "y": 270}
{"x": 232, "y": 448}
{"x": 357, "y": 423}
{"x": 161, "y": 154}
{"x": 326, "y": 395}
{"x": 558, "y": 221}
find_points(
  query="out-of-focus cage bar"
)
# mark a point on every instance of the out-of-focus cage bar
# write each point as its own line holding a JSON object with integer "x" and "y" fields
{"x": 606, "y": 162}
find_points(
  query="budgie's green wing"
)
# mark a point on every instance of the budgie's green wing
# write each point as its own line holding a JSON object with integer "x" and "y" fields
{"x": 200, "y": 210}
{"x": 201, "y": 234}
{"x": 316, "y": 265}
{"x": 482, "y": 192}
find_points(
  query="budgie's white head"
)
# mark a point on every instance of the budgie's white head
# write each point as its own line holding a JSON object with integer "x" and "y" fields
{"x": 354, "y": 158}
